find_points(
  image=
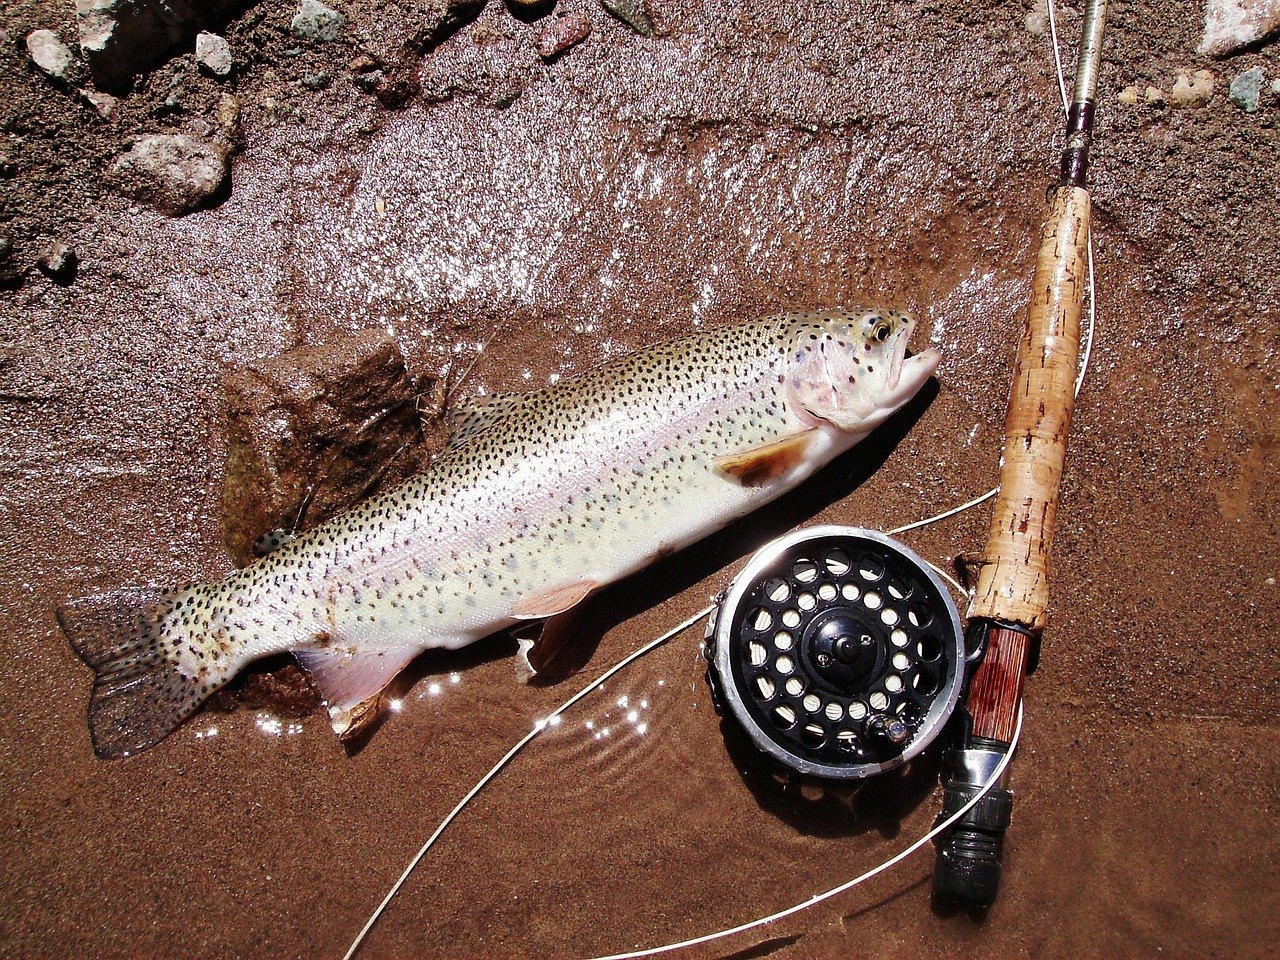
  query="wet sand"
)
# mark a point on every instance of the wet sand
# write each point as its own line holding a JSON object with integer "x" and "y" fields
{"x": 750, "y": 159}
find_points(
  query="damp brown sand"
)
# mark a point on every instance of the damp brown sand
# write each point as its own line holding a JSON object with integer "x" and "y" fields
{"x": 753, "y": 159}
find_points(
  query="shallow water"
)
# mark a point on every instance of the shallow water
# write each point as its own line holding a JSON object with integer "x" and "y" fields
{"x": 752, "y": 160}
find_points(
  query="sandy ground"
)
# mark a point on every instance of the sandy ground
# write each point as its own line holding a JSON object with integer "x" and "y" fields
{"x": 750, "y": 158}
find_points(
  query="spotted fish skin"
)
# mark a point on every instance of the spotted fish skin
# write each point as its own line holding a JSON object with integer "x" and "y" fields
{"x": 545, "y": 497}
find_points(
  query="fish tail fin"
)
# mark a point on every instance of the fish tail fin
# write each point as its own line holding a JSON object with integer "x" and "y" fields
{"x": 140, "y": 691}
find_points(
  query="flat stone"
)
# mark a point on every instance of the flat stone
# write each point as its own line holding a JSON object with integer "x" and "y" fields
{"x": 315, "y": 21}
{"x": 172, "y": 172}
{"x": 313, "y": 431}
{"x": 50, "y": 54}
{"x": 213, "y": 53}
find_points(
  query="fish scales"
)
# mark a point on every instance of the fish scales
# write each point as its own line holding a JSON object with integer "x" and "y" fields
{"x": 544, "y": 498}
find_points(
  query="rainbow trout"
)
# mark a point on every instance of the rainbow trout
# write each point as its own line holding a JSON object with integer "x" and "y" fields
{"x": 540, "y": 499}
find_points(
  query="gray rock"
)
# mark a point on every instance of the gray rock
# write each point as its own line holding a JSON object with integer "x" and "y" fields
{"x": 121, "y": 38}
{"x": 50, "y": 54}
{"x": 213, "y": 53}
{"x": 315, "y": 21}
{"x": 1246, "y": 89}
{"x": 172, "y": 172}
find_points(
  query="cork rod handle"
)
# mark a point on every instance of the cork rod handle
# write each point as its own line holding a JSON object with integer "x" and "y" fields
{"x": 1013, "y": 579}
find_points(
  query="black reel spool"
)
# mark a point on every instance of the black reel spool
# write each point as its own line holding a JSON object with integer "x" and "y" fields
{"x": 838, "y": 651}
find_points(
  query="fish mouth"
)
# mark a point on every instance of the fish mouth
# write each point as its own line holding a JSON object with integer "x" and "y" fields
{"x": 909, "y": 373}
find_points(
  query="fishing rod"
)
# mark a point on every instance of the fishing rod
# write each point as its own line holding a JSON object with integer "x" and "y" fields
{"x": 1009, "y": 610}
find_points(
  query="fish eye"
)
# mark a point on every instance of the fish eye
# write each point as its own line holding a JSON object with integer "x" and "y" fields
{"x": 881, "y": 332}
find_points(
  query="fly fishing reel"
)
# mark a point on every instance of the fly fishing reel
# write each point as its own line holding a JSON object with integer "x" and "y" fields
{"x": 837, "y": 651}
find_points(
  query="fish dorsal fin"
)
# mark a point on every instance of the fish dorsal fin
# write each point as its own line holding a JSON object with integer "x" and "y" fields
{"x": 346, "y": 678}
{"x": 477, "y": 414}
{"x": 759, "y": 465}
{"x": 549, "y": 603}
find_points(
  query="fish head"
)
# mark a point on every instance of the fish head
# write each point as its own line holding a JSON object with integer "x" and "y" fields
{"x": 850, "y": 368}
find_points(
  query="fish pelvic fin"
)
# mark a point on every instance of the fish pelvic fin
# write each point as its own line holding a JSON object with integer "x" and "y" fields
{"x": 140, "y": 691}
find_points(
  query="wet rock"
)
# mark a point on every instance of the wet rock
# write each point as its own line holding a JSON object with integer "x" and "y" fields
{"x": 562, "y": 34}
{"x": 213, "y": 54}
{"x": 314, "y": 430}
{"x": 103, "y": 104}
{"x": 1193, "y": 90}
{"x": 121, "y": 38}
{"x": 58, "y": 263}
{"x": 315, "y": 21}
{"x": 174, "y": 173}
{"x": 1245, "y": 90}
{"x": 632, "y": 13}
{"x": 50, "y": 54}
{"x": 1232, "y": 24}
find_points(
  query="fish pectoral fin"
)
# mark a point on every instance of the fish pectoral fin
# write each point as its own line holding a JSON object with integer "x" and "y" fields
{"x": 557, "y": 600}
{"x": 478, "y": 414}
{"x": 759, "y": 465}
{"x": 351, "y": 681}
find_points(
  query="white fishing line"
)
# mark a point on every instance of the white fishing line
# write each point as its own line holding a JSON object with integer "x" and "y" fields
{"x": 847, "y": 885}
{"x": 538, "y": 727}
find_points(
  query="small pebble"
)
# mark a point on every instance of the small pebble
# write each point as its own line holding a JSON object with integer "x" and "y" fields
{"x": 632, "y": 13}
{"x": 562, "y": 34}
{"x": 213, "y": 53}
{"x": 58, "y": 263}
{"x": 103, "y": 104}
{"x": 1130, "y": 95}
{"x": 317, "y": 81}
{"x": 1246, "y": 89}
{"x": 1037, "y": 21}
{"x": 1192, "y": 91}
{"x": 1154, "y": 95}
{"x": 228, "y": 114}
{"x": 315, "y": 21}
{"x": 362, "y": 64}
{"x": 368, "y": 82}
{"x": 1275, "y": 86}
{"x": 50, "y": 54}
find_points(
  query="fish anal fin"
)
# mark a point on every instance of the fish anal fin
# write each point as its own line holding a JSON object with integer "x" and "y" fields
{"x": 760, "y": 465}
{"x": 477, "y": 414}
{"x": 350, "y": 681}
{"x": 557, "y": 600}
